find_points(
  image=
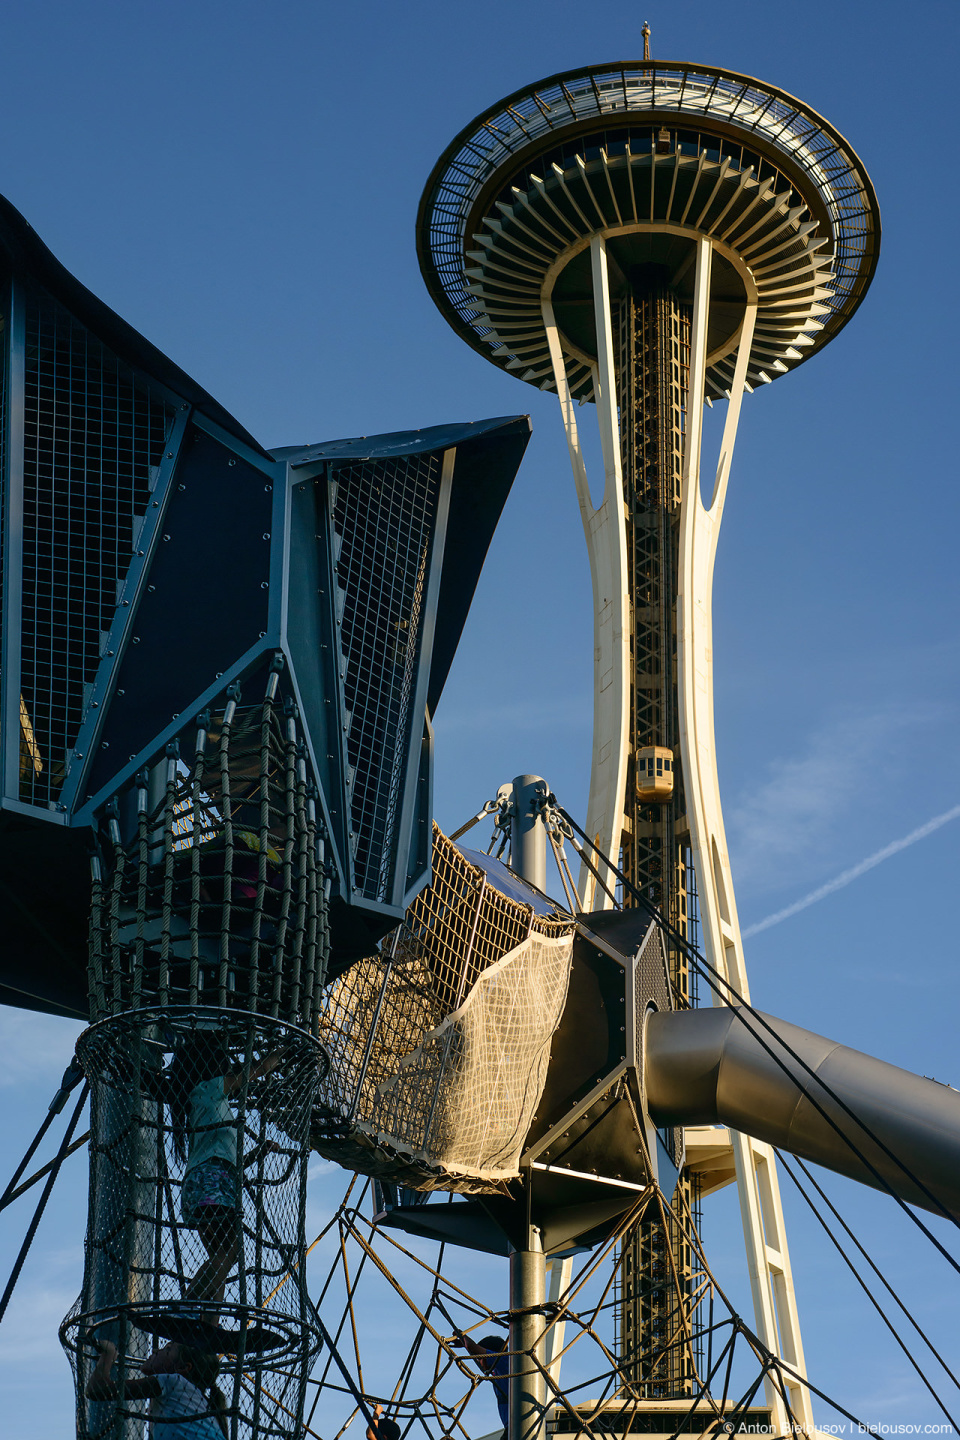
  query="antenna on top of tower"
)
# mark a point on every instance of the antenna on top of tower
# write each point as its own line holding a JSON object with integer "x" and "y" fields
{"x": 645, "y": 32}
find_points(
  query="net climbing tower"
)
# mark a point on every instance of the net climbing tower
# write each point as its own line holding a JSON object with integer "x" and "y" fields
{"x": 208, "y": 946}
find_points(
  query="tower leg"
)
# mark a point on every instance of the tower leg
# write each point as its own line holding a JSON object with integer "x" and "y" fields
{"x": 768, "y": 1258}
{"x": 607, "y": 547}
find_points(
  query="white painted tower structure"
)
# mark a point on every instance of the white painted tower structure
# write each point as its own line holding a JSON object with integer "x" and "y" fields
{"x": 656, "y": 237}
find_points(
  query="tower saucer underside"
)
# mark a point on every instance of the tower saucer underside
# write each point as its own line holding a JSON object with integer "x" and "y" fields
{"x": 651, "y": 156}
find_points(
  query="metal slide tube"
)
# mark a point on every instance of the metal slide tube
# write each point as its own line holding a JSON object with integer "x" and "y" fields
{"x": 705, "y": 1067}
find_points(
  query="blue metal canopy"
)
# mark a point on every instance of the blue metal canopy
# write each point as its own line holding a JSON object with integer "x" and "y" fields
{"x": 154, "y": 555}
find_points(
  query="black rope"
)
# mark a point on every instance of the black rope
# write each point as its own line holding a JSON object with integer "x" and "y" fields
{"x": 7, "y": 1195}
{"x": 870, "y": 1296}
{"x": 71, "y": 1078}
{"x": 875, "y": 1268}
{"x": 42, "y": 1203}
{"x": 707, "y": 970}
{"x": 38, "y": 1175}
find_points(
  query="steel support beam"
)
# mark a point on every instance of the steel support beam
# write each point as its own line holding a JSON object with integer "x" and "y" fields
{"x": 527, "y": 1384}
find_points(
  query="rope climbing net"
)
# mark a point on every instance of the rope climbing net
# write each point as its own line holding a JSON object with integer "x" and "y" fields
{"x": 199, "y": 1125}
{"x": 400, "y": 1305}
{"x": 208, "y": 875}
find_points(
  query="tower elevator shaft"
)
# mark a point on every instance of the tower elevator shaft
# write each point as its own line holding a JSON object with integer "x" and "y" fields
{"x": 652, "y": 359}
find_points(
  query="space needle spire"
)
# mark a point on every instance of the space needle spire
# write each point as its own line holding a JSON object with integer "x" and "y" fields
{"x": 655, "y": 237}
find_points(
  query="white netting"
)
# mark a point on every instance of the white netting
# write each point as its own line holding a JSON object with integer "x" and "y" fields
{"x": 466, "y": 1096}
{"x": 439, "y": 1045}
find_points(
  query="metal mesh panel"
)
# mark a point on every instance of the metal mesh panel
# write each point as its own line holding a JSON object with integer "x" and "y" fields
{"x": 93, "y": 437}
{"x": 449, "y": 1024}
{"x": 384, "y": 514}
{"x": 651, "y": 980}
{"x": 162, "y": 1262}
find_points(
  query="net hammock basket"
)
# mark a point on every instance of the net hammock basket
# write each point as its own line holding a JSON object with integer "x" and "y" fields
{"x": 439, "y": 1044}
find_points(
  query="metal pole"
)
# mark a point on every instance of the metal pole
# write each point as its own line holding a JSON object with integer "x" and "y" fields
{"x": 527, "y": 1385}
{"x": 528, "y": 838}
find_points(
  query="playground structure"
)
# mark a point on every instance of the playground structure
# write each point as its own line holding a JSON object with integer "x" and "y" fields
{"x": 227, "y": 755}
{"x": 220, "y": 742}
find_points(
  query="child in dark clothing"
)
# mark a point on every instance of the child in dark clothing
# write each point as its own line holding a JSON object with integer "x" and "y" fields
{"x": 490, "y": 1354}
{"x": 382, "y": 1429}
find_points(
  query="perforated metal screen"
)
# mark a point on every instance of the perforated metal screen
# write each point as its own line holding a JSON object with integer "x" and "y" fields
{"x": 384, "y": 518}
{"x": 93, "y": 437}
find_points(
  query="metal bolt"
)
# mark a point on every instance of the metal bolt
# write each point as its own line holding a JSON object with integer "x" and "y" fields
{"x": 166, "y": 537}
{"x": 266, "y": 534}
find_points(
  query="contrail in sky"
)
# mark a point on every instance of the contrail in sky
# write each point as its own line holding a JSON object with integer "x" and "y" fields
{"x": 855, "y": 872}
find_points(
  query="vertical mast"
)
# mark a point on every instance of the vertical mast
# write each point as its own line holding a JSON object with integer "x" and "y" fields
{"x": 652, "y": 330}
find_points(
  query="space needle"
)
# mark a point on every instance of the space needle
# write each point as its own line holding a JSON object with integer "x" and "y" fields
{"x": 655, "y": 237}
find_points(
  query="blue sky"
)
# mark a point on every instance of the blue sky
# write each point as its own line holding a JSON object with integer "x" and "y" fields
{"x": 241, "y": 181}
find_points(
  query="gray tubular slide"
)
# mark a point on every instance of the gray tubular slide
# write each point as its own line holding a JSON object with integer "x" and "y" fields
{"x": 708, "y": 1067}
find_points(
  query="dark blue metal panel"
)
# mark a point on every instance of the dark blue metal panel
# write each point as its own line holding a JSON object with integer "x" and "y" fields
{"x": 12, "y": 542}
{"x": 117, "y": 638}
{"x": 205, "y": 602}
